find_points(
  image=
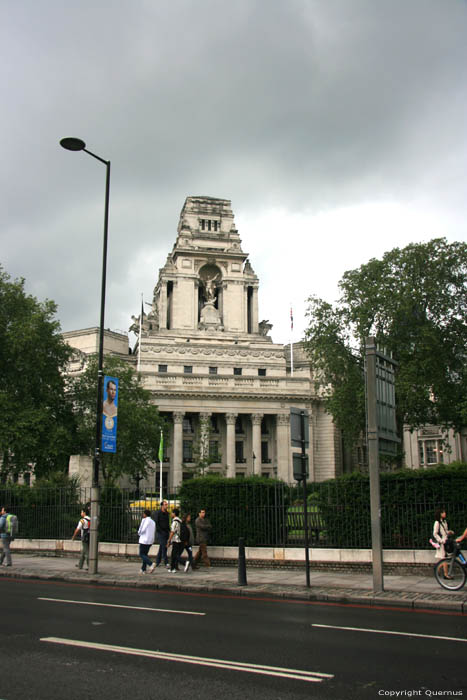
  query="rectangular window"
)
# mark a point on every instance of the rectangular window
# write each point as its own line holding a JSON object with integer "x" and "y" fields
{"x": 265, "y": 453}
{"x": 162, "y": 369}
{"x": 237, "y": 371}
{"x": 187, "y": 425}
{"x": 187, "y": 451}
{"x": 188, "y": 369}
{"x": 421, "y": 453}
{"x": 239, "y": 458}
{"x": 433, "y": 452}
{"x": 214, "y": 450}
{"x": 213, "y": 370}
{"x": 261, "y": 372}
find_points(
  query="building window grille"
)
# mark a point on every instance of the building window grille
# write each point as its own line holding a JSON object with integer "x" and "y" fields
{"x": 188, "y": 369}
{"x": 237, "y": 371}
{"x": 213, "y": 370}
{"x": 261, "y": 372}
{"x": 162, "y": 369}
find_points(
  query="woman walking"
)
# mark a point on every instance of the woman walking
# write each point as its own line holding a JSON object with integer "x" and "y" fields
{"x": 441, "y": 533}
{"x": 146, "y": 532}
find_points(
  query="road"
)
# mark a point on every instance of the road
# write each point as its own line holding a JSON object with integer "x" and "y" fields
{"x": 70, "y": 641}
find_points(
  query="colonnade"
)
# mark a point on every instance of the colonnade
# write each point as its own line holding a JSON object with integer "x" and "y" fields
{"x": 278, "y": 438}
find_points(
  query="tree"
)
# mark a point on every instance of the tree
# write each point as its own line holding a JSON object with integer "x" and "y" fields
{"x": 205, "y": 449}
{"x": 414, "y": 301}
{"x": 35, "y": 418}
{"x": 139, "y": 422}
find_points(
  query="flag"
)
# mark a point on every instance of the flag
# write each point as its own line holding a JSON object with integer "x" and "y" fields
{"x": 161, "y": 448}
{"x": 291, "y": 319}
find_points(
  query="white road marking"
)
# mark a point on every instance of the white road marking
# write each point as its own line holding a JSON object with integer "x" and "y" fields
{"x": 402, "y": 634}
{"x": 128, "y": 607}
{"x": 310, "y": 676}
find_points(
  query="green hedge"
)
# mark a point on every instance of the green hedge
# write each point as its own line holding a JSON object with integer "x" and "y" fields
{"x": 408, "y": 502}
{"x": 253, "y": 508}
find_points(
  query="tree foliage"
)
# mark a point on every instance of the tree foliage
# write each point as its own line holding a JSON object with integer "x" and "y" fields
{"x": 35, "y": 417}
{"x": 414, "y": 302}
{"x": 139, "y": 422}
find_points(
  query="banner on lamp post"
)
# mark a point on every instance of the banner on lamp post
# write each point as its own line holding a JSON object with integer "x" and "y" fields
{"x": 109, "y": 415}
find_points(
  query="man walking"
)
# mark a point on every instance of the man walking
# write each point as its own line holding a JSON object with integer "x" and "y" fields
{"x": 203, "y": 528}
{"x": 83, "y": 528}
{"x": 5, "y": 536}
{"x": 161, "y": 518}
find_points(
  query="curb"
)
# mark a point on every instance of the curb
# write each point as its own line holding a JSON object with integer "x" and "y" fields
{"x": 331, "y": 596}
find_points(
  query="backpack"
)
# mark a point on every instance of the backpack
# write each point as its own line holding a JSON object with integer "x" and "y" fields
{"x": 11, "y": 525}
{"x": 184, "y": 533}
{"x": 85, "y": 531}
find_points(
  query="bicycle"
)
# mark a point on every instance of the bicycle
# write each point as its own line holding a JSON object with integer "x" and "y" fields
{"x": 457, "y": 570}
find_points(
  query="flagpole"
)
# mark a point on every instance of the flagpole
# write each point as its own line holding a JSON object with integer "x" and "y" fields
{"x": 291, "y": 340}
{"x": 140, "y": 333}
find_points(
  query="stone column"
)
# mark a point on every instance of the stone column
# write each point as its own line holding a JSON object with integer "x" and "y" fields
{"x": 256, "y": 419}
{"x": 163, "y": 305}
{"x": 230, "y": 419}
{"x": 254, "y": 311}
{"x": 283, "y": 446}
{"x": 311, "y": 464}
{"x": 177, "y": 448}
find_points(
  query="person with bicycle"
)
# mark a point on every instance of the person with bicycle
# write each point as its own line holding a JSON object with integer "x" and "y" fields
{"x": 441, "y": 533}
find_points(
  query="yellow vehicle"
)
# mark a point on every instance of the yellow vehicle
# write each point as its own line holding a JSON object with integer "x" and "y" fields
{"x": 152, "y": 504}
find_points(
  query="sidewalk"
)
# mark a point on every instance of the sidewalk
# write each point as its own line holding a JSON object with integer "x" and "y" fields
{"x": 408, "y": 591}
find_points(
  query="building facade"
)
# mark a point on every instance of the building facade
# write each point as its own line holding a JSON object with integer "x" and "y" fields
{"x": 214, "y": 372}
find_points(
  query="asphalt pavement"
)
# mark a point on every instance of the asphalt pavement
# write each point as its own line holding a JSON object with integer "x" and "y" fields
{"x": 413, "y": 591}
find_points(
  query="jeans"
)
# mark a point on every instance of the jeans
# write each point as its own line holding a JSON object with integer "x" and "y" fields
{"x": 177, "y": 548}
{"x": 84, "y": 554}
{"x": 189, "y": 551}
{"x": 6, "y": 554}
{"x": 162, "y": 553}
{"x": 143, "y": 553}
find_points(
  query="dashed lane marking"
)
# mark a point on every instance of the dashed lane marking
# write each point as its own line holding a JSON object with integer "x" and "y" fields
{"x": 402, "y": 634}
{"x": 127, "y": 607}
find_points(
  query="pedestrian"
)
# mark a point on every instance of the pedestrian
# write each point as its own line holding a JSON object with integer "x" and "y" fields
{"x": 161, "y": 518}
{"x": 146, "y": 532}
{"x": 174, "y": 540}
{"x": 441, "y": 533}
{"x": 5, "y": 537}
{"x": 187, "y": 540}
{"x": 83, "y": 529}
{"x": 203, "y": 528}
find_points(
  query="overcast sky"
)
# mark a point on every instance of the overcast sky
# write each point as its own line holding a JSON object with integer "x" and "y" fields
{"x": 337, "y": 128}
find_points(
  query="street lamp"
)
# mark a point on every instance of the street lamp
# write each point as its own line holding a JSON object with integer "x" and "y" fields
{"x": 74, "y": 144}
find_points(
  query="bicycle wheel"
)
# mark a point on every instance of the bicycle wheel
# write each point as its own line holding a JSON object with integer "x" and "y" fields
{"x": 455, "y": 570}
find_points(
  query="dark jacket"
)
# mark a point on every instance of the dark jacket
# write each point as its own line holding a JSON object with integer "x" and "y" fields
{"x": 203, "y": 528}
{"x": 162, "y": 522}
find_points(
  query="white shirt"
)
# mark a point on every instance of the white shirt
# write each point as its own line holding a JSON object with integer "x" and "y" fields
{"x": 147, "y": 530}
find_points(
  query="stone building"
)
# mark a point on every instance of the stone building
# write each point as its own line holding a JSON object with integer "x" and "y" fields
{"x": 211, "y": 365}
{"x": 214, "y": 370}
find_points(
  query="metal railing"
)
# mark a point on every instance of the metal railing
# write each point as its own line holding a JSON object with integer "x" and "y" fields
{"x": 338, "y": 516}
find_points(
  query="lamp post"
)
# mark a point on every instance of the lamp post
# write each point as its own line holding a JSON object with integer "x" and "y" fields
{"x": 74, "y": 144}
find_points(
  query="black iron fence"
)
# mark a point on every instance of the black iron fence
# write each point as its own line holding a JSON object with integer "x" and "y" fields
{"x": 337, "y": 517}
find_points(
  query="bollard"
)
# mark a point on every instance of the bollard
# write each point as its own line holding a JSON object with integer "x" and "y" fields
{"x": 241, "y": 563}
